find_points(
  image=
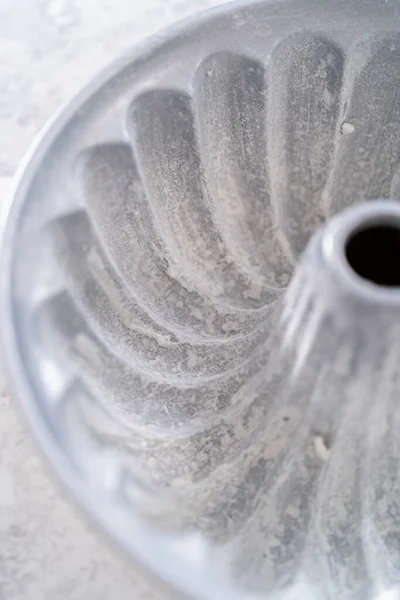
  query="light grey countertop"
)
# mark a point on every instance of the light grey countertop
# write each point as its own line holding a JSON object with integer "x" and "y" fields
{"x": 49, "y": 49}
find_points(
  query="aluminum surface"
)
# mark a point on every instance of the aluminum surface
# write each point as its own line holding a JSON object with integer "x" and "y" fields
{"x": 153, "y": 233}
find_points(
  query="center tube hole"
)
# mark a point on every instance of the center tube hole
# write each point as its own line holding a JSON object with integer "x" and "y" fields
{"x": 374, "y": 253}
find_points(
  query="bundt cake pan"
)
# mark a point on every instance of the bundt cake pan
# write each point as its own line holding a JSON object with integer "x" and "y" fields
{"x": 232, "y": 426}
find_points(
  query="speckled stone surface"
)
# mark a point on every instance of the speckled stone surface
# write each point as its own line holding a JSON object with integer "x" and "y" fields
{"x": 49, "y": 50}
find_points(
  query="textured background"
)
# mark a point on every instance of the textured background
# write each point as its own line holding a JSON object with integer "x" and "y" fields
{"x": 49, "y": 49}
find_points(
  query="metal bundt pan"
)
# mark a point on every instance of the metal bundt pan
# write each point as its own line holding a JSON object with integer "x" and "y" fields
{"x": 228, "y": 434}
